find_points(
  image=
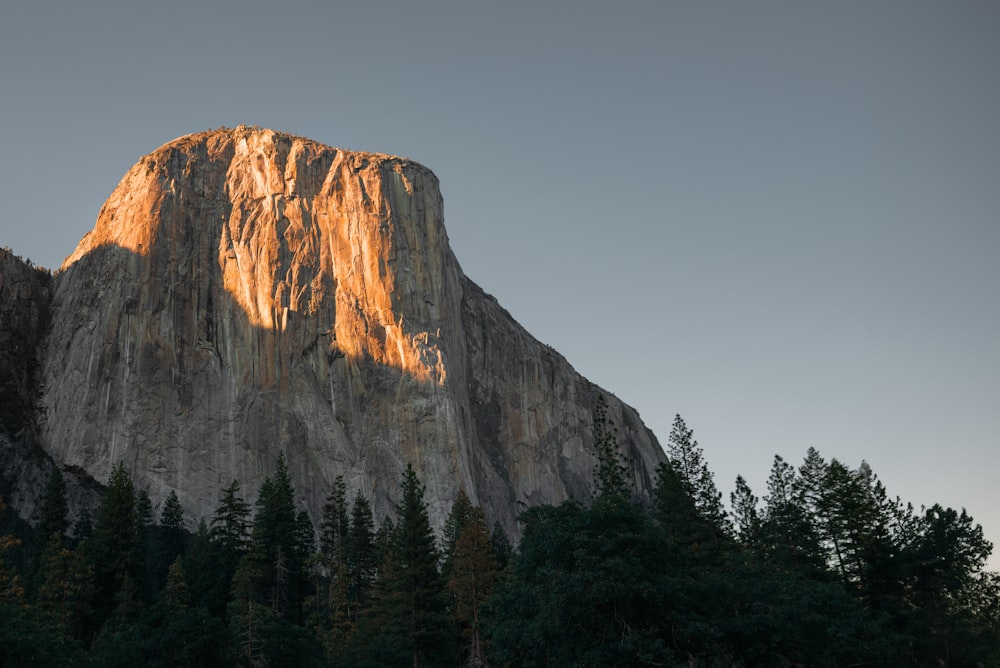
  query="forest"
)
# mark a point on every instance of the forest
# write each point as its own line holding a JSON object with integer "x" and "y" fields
{"x": 825, "y": 569}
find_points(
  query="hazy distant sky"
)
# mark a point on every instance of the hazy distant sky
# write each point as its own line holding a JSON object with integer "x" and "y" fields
{"x": 778, "y": 219}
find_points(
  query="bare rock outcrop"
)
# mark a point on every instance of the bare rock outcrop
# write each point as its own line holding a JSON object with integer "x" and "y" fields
{"x": 246, "y": 292}
{"x": 25, "y": 296}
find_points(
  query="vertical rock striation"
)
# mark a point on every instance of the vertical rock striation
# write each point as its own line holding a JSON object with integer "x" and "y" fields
{"x": 246, "y": 292}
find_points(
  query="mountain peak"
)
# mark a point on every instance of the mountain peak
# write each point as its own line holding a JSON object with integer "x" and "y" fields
{"x": 247, "y": 292}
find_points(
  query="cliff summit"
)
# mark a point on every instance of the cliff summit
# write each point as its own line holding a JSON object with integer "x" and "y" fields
{"x": 246, "y": 292}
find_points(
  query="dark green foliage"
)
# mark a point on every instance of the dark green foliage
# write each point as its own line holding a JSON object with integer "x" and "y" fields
{"x": 788, "y": 536}
{"x": 185, "y": 636}
{"x": 66, "y": 589}
{"x": 610, "y": 472}
{"x": 460, "y": 515}
{"x": 689, "y": 535}
{"x": 500, "y": 542}
{"x": 208, "y": 572}
{"x": 947, "y": 593}
{"x": 411, "y": 621}
{"x": 334, "y": 526}
{"x": 166, "y": 541}
{"x": 28, "y": 639}
{"x": 115, "y": 547}
{"x": 746, "y": 519}
{"x": 688, "y": 463}
{"x": 172, "y": 515}
{"x": 584, "y": 590}
{"x": 472, "y": 575}
{"x": 829, "y": 571}
{"x": 360, "y": 555}
{"x": 276, "y": 549}
{"x": 383, "y": 539}
{"x": 173, "y": 536}
{"x": 231, "y": 523}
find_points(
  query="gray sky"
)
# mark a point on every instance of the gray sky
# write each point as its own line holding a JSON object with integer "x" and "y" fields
{"x": 778, "y": 219}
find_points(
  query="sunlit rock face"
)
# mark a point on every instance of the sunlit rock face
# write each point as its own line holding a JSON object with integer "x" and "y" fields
{"x": 246, "y": 292}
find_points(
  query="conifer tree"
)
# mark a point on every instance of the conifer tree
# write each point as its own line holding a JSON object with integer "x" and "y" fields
{"x": 471, "y": 579}
{"x": 689, "y": 536}
{"x": 383, "y": 540}
{"x": 500, "y": 542}
{"x": 688, "y": 463}
{"x": 175, "y": 592}
{"x": 170, "y": 538}
{"x": 208, "y": 572}
{"x": 305, "y": 537}
{"x": 413, "y": 615}
{"x": 66, "y": 590}
{"x": 458, "y": 517}
{"x": 788, "y": 533}
{"x": 360, "y": 553}
{"x": 810, "y": 482}
{"x": 231, "y": 524}
{"x": 340, "y": 623}
{"x": 745, "y": 516}
{"x": 276, "y": 544}
{"x": 115, "y": 546}
{"x": 334, "y": 525}
{"x": 249, "y": 619}
{"x": 172, "y": 515}
{"x": 610, "y": 471}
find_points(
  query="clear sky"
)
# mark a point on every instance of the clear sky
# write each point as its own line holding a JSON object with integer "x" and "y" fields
{"x": 778, "y": 219}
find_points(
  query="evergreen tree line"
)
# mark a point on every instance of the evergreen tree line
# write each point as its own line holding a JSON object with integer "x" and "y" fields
{"x": 255, "y": 586}
{"x": 825, "y": 570}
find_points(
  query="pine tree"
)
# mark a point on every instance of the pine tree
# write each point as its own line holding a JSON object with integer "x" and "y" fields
{"x": 340, "y": 623}
{"x": 183, "y": 633}
{"x": 275, "y": 544}
{"x": 334, "y": 525}
{"x": 500, "y": 542}
{"x": 610, "y": 471}
{"x": 231, "y": 525}
{"x": 305, "y": 537}
{"x": 66, "y": 590}
{"x": 383, "y": 540}
{"x": 745, "y": 516}
{"x": 688, "y": 535}
{"x": 413, "y": 614}
{"x": 172, "y": 515}
{"x": 788, "y": 533}
{"x": 170, "y": 539}
{"x": 360, "y": 553}
{"x": 115, "y": 545}
{"x": 458, "y": 517}
{"x": 811, "y": 480}
{"x": 209, "y": 572}
{"x": 248, "y": 618}
{"x": 688, "y": 462}
{"x": 471, "y": 579}
{"x": 175, "y": 592}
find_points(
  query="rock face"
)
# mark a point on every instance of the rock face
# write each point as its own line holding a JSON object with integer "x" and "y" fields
{"x": 24, "y": 305}
{"x": 246, "y": 293}
{"x": 25, "y": 295}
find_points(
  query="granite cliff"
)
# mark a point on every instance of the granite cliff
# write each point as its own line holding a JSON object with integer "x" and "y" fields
{"x": 246, "y": 292}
